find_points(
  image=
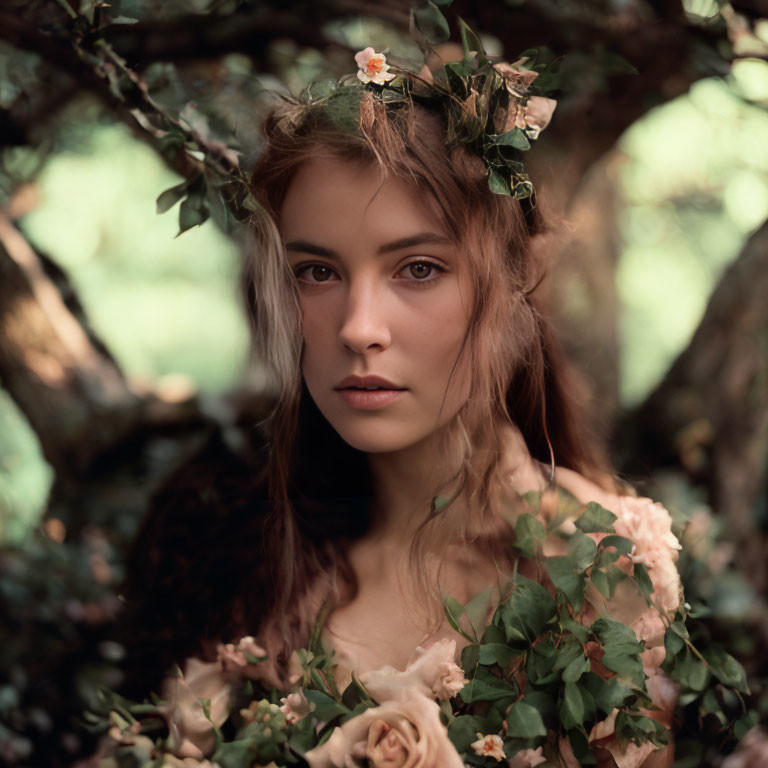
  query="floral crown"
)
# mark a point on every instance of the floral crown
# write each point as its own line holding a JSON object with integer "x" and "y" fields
{"x": 495, "y": 109}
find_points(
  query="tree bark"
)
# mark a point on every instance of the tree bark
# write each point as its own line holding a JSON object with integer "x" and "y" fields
{"x": 709, "y": 415}
{"x": 63, "y": 380}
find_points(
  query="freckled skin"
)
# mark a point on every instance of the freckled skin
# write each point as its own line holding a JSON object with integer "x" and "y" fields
{"x": 364, "y": 312}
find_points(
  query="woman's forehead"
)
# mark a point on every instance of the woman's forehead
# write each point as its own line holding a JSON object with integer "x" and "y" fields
{"x": 344, "y": 199}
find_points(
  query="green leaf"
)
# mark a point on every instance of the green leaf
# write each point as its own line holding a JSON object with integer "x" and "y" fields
{"x": 621, "y": 544}
{"x": 477, "y": 611}
{"x": 581, "y": 551}
{"x": 726, "y": 669}
{"x": 613, "y": 694}
{"x": 621, "y": 649}
{"x": 463, "y": 731}
{"x": 606, "y": 579}
{"x": 673, "y": 644}
{"x": 454, "y": 610}
{"x": 171, "y": 196}
{"x": 431, "y": 23}
{"x": 485, "y": 686}
{"x": 494, "y": 634}
{"x": 524, "y": 722}
{"x": 326, "y": 708}
{"x": 529, "y": 533}
{"x": 560, "y": 570}
{"x": 527, "y": 610}
{"x": 571, "y": 707}
{"x": 193, "y": 211}
{"x": 497, "y": 653}
{"x": 470, "y": 658}
{"x": 469, "y": 40}
{"x": 690, "y": 671}
{"x": 576, "y": 669}
{"x": 596, "y": 519}
{"x": 644, "y": 583}
{"x": 514, "y": 138}
{"x": 497, "y": 183}
{"x": 580, "y": 746}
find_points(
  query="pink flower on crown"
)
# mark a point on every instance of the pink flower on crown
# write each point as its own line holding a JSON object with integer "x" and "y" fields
{"x": 373, "y": 67}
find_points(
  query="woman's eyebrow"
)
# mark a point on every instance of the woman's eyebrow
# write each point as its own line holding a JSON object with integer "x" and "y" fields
{"x": 422, "y": 238}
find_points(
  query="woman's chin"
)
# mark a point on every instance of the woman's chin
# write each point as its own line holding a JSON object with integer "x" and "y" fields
{"x": 379, "y": 439}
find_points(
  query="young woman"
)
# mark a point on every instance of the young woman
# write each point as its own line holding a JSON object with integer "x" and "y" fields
{"x": 419, "y": 396}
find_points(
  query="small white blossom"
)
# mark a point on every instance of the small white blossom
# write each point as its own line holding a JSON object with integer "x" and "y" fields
{"x": 373, "y": 67}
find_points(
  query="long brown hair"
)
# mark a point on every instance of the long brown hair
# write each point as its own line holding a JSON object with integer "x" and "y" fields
{"x": 319, "y": 486}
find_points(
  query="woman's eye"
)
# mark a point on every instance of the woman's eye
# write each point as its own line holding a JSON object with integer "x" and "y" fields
{"x": 423, "y": 271}
{"x": 314, "y": 273}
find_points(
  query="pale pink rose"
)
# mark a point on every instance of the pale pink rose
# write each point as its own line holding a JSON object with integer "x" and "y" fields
{"x": 396, "y": 734}
{"x": 751, "y": 751}
{"x": 489, "y": 746}
{"x": 169, "y": 761}
{"x": 191, "y": 733}
{"x": 538, "y": 114}
{"x": 649, "y": 526}
{"x": 294, "y": 706}
{"x": 295, "y": 668}
{"x": 434, "y": 673}
{"x": 373, "y": 67}
{"x": 232, "y": 657}
{"x": 528, "y": 758}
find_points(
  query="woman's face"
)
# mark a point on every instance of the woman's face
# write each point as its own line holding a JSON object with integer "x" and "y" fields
{"x": 384, "y": 293}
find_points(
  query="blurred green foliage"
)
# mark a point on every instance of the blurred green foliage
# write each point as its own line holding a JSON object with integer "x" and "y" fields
{"x": 695, "y": 187}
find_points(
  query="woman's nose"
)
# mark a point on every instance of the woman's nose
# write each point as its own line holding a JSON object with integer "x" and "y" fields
{"x": 364, "y": 319}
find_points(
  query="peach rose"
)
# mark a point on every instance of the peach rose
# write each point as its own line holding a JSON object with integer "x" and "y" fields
{"x": 191, "y": 733}
{"x": 398, "y": 734}
{"x": 649, "y": 526}
{"x": 232, "y": 656}
{"x": 528, "y": 758}
{"x": 295, "y": 706}
{"x": 434, "y": 673}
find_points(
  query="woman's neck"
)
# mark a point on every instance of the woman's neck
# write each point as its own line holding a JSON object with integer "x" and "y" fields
{"x": 404, "y": 484}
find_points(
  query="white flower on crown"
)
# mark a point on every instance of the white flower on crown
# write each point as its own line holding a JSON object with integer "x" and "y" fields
{"x": 373, "y": 67}
{"x": 489, "y": 746}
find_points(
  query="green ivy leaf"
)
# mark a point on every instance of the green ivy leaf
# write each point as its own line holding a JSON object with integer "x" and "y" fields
{"x": 326, "y": 708}
{"x": 621, "y": 544}
{"x": 529, "y": 533}
{"x": 469, "y": 40}
{"x": 726, "y": 669}
{"x": 581, "y": 551}
{"x": 497, "y": 183}
{"x": 485, "y": 686}
{"x": 524, "y": 722}
{"x": 171, "y": 196}
{"x": 193, "y": 211}
{"x": 643, "y": 580}
{"x": 614, "y": 692}
{"x": 526, "y": 611}
{"x": 596, "y": 519}
{"x": 497, "y": 653}
{"x": 463, "y": 731}
{"x": 454, "y": 610}
{"x": 514, "y": 138}
{"x": 560, "y": 570}
{"x": 571, "y": 707}
{"x": 576, "y": 669}
{"x": 621, "y": 649}
{"x": 431, "y": 23}
{"x": 580, "y": 746}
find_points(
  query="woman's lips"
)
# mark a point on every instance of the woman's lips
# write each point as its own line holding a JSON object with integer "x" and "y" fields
{"x": 369, "y": 399}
